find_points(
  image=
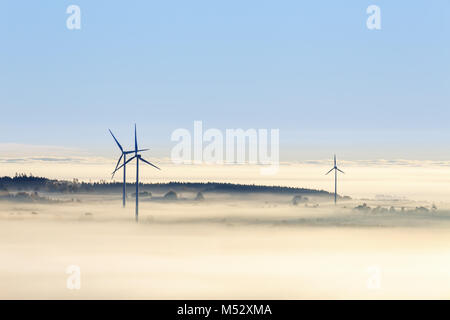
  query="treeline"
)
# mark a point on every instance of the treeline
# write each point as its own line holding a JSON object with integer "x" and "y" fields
{"x": 23, "y": 182}
{"x": 245, "y": 188}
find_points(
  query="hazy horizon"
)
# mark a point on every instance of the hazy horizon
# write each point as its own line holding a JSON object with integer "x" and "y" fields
{"x": 416, "y": 180}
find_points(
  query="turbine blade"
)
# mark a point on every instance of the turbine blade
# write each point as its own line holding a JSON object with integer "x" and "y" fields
{"x": 123, "y": 164}
{"x": 149, "y": 163}
{"x": 141, "y": 150}
{"x": 329, "y": 171}
{"x": 121, "y": 156}
{"x": 120, "y": 147}
{"x": 335, "y": 160}
{"x": 135, "y": 139}
{"x": 340, "y": 170}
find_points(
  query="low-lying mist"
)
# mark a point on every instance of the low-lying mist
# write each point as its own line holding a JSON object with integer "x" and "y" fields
{"x": 241, "y": 246}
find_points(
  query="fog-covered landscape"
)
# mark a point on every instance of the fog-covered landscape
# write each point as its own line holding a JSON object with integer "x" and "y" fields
{"x": 221, "y": 245}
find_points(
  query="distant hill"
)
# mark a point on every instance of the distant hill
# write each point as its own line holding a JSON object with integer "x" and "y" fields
{"x": 23, "y": 182}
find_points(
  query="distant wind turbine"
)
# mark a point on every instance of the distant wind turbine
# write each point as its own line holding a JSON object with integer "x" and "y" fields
{"x": 138, "y": 158}
{"x": 336, "y": 169}
{"x": 124, "y": 156}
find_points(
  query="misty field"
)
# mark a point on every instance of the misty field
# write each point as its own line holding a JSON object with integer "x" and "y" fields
{"x": 223, "y": 247}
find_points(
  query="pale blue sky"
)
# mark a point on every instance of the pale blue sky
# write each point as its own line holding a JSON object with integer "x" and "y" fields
{"x": 310, "y": 68}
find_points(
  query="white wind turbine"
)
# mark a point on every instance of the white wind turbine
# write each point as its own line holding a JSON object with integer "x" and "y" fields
{"x": 336, "y": 169}
{"x": 124, "y": 156}
{"x": 138, "y": 158}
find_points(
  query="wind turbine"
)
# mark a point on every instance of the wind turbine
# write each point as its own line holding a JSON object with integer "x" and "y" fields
{"x": 138, "y": 158}
{"x": 336, "y": 169}
{"x": 124, "y": 156}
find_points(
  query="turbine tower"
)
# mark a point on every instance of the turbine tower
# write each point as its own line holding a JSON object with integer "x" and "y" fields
{"x": 138, "y": 158}
{"x": 336, "y": 169}
{"x": 124, "y": 156}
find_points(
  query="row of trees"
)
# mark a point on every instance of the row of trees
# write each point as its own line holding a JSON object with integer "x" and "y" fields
{"x": 23, "y": 182}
